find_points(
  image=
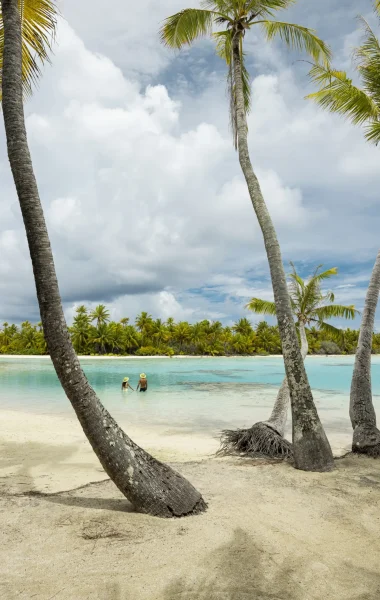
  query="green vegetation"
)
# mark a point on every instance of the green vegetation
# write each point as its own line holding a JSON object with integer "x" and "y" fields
{"x": 338, "y": 94}
{"x": 154, "y": 337}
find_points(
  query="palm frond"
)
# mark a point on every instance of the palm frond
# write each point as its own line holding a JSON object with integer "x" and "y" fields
{"x": 334, "y": 332}
{"x": 38, "y": 25}
{"x": 338, "y": 94}
{"x": 336, "y": 310}
{"x": 325, "y": 274}
{"x": 187, "y": 25}
{"x": 222, "y": 6}
{"x": 262, "y": 307}
{"x": 377, "y": 6}
{"x": 372, "y": 132}
{"x": 268, "y": 8}
{"x": 298, "y": 38}
{"x": 367, "y": 58}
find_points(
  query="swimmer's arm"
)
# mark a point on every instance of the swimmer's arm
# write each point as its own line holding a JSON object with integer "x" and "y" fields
{"x": 131, "y": 387}
{"x": 138, "y": 385}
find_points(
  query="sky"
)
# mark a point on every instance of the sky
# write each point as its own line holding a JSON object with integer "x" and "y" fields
{"x": 143, "y": 195}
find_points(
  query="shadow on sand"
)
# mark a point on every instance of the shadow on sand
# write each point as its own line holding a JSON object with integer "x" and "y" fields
{"x": 242, "y": 570}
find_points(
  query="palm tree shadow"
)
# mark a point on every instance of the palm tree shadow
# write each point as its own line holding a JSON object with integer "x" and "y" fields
{"x": 244, "y": 570}
{"x": 28, "y": 455}
{"x": 109, "y": 504}
{"x": 239, "y": 570}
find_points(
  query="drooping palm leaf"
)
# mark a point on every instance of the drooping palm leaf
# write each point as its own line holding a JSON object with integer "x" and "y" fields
{"x": 338, "y": 94}
{"x": 335, "y": 333}
{"x": 298, "y": 38}
{"x": 187, "y": 25}
{"x": 38, "y": 25}
{"x": 367, "y": 57}
{"x": 336, "y": 310}
{"x": 268, "y": 8}
{"x": 262, "y": 307}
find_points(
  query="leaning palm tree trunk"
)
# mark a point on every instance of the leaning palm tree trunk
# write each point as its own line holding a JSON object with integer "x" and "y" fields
{"x": 366, "y": 438}
{"x": 265, "y": 438}
{"x": 311, "y": 448}
{"x": 151, "y": 486}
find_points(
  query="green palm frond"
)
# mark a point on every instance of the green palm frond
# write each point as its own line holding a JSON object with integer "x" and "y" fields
{"x": 334, "y": 332}
{"x": 222, "y": 6}
{"x": 367, "y": 58}
{"x": 187, "y": 25}
{"x": 377, "y": 6}
{"x": 336, "y": 310}
{"x": 298, "y": 38}
{"x": 372, "y": 132}
{"x": 267, "y": 8}
{"x": 325, "y": 274}
{"x": 38, "y": 24}
{"x": 338, "y": 94}
{"x": 262, "y": 307}
{"x": 312, "y": 295}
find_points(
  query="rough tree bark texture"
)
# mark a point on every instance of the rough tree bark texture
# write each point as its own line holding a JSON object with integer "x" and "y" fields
{"x": 279, "y": 415}
{"x": 366, "y": 437}
{"x": 151, "y": 486}
{"x": 311, "y": 448}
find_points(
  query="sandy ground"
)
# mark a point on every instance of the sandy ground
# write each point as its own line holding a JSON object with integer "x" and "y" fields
{"x": 270, "y": 532}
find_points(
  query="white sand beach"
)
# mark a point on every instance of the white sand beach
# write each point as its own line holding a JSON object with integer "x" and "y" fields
{"x": 270, "y": 531}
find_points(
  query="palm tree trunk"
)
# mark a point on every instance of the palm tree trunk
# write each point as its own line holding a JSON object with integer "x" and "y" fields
{"x": 312, "y": 450}
{"x": 279, "y": 415}
{"x": 150, "y": 485}
{"x": 366, "y": 438}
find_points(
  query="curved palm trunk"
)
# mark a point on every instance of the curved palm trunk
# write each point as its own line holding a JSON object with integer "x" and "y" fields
{"x": 312, "y": 451}
{"x": 366, "y": 436}
{"x": 150, "y": 485}
{"x": 279, "y": 414}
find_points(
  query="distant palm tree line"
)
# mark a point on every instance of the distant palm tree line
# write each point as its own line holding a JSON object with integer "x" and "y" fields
{"x": 94, "y": 333}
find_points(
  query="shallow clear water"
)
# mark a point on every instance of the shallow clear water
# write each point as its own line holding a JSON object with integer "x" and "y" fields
{"x": 187, "y": 395}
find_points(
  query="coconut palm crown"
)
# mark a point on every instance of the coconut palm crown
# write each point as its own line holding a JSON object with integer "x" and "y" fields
{"x": 38, "y": 24}
{"x": 236, "y": 17}
{"x": 337, "y": 92}
{"x": 309, "y": 303}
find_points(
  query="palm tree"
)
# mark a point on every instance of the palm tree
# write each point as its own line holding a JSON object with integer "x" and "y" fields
{"x": 182, "y": 333}
{"x": 100, "y": 314}
{"x": 149, "y": 484}
{"x": 366, "y": 437}
{"x": 144, "y": 323}
{"x": 361, "y": 105}
{"x": 310, "y": 306}
{"x": 337, "y": 92}
{"x": 243, "y": 326}
{"x": 311, "y": 447}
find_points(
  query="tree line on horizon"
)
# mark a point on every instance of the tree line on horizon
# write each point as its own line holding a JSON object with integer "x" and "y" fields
{"x": 26, "y": 34}
{"x": 93, "y": 333}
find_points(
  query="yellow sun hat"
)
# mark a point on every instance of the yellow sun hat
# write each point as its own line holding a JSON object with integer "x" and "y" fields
{"x": 142, "y": 376}
{"x": 125, "y": 379}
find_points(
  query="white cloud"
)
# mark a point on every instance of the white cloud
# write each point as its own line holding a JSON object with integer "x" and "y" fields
{"x": 142, "y": 189}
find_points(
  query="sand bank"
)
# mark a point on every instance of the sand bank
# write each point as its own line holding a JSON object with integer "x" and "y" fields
{"x": 270, "y": 532}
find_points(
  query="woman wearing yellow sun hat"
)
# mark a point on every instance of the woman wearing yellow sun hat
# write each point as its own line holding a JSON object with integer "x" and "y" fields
{"x": 143, "y": 383}
{"x": 125, "y": 385}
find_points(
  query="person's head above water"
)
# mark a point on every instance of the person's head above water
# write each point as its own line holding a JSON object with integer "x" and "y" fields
{"x": 125, "y": 379}
{"x": 142, "y": 376}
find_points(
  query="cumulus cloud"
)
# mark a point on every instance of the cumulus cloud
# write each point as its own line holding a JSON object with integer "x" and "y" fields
{"x": 142, "y": 191}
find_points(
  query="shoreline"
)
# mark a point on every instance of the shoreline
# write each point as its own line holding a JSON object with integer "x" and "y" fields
{"x": 176, "y": 357}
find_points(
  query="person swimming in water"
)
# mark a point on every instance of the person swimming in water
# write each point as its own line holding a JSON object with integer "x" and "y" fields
{"x": 143, "y": 383}
{"x": 125, "y": 385}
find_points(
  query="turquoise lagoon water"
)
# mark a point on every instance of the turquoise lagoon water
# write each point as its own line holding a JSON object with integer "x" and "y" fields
{"x": 187, "y": 394}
